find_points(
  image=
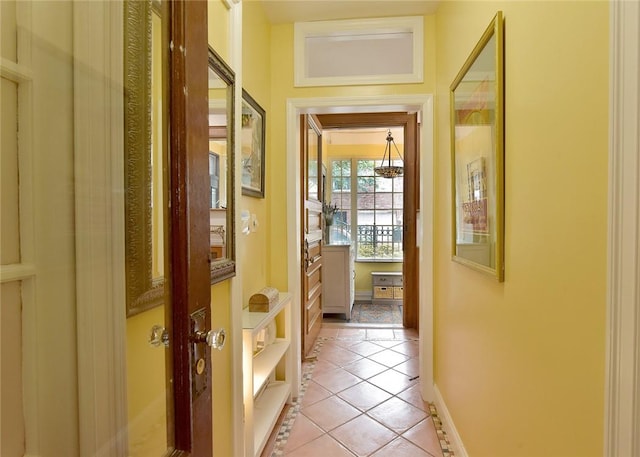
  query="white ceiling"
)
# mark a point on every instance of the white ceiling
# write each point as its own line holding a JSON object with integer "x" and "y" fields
{"x": 286, "y": 11}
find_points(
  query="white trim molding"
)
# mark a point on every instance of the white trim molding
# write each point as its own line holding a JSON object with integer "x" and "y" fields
{"x": 423, "y": 105}
{"x": 447, "y": 424}
{"x": 622, "y": 390}
{"x": 357, "y": 40}
{"x": 99, "y": 165}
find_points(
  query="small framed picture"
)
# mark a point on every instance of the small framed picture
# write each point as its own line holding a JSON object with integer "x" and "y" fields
{"x": 252, "y": 146}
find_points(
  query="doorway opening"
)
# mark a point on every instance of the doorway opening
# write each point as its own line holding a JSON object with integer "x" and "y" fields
{"x": 422, "y": 106}
{"x": 373, "y": 198}
{"x": 366, "y": 212}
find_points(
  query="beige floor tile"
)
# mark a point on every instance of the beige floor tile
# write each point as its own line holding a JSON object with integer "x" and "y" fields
{"x": 410, "y": 348}
{"x": 410, "y": 367}
{"x": 337, "y": 380}
{"x": 330, "y": 413}
{"x": 328, "y": 332}
{"x": 392, "y": 381}
{"x": 363, "y": 435}
{"x": 400, "y": 448}
{"x": 352, "y": 333}
{"x": 338, "y": 356}
{"x": 324, "y": 446}
{"x": 383, "y": 416}
{"x": 388, "y": 357}
{"x": 364, "y": 396}
{"x": 364, "y": 348}
{"x": 397, "y": 414}
{"x": 365, "y": 368}
{"x": 424, "y": 435}
{"x": 413, "y": 397}
{"x": 387, "y": 343}
{"x": 380, "y": 334}
{"x": 302, "y": 432}
{"x": 323, "y": 366}
{"x": 405, "y": 333}
{"x": 314, "y": 394}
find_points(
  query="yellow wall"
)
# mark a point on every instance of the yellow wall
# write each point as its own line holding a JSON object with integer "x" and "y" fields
{"x": 219, "y": 18}
{"x": 520, "y": 364}
{"x": 251, "y": 250}
{"x": 221, "y": 376}
{"x": 281, "y": 89}
{"x": 146, "y": 386}
{"x": 256, "y": 81}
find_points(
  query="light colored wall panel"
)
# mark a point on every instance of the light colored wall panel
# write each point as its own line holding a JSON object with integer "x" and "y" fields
{"x": 12, "y": 435}
{"x": 9, "y": 179}
{"x": 532, "y": 347}
{"x": 8, "y": 30}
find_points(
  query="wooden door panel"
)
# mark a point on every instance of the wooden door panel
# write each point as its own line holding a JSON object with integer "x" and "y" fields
{"x": 311, "y": 231}
{"x": 314, "y": 283}
{"x": 189, "y": 233}
{"x": 313, "y": 319}
{"x": 314, "y": 221}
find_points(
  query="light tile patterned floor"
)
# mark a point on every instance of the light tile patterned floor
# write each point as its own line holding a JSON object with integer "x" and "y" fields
{"x": 361, "y": 398}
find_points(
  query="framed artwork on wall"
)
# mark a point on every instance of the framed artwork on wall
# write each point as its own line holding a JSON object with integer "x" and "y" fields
{"x": 477, "y": 155}
{"x": 252, "y": 146}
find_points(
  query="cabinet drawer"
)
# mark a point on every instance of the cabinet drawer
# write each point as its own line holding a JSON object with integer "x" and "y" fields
{"x": 386, "y": 279}
{"x": 379, "y": 280}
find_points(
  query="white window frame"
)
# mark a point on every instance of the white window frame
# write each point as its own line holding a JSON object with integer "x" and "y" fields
{"x": 353, "y": 178}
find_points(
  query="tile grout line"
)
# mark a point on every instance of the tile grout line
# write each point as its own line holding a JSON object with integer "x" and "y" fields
{"x": 292, "y": 413}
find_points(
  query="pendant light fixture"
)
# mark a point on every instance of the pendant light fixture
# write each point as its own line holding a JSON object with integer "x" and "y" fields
{"x": 389, "y": 170}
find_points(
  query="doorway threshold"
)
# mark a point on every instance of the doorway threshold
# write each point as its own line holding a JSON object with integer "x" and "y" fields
{"x": 359, "y": 325}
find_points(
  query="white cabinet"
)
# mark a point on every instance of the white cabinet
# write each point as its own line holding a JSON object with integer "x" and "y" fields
{"x": 338, "y": 277}
{"x": 268, "y": 369}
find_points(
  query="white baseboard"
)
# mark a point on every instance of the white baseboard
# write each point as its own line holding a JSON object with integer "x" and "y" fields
{"x": 363, "y": 296}
{"x": 449, "y": 427}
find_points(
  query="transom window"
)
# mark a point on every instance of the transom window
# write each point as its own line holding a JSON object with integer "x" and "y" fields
{"x": 372, "y": 217}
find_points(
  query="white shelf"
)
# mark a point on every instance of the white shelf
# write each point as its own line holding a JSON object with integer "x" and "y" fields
{"x": 266, "y": 410}
{"x": 257, "y": 321}
{"x": 267, "y": 375}
{"x": 265, "y": 362}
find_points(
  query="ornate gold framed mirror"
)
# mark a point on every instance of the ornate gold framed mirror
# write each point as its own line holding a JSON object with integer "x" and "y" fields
{"x": 221, "y": 168}
{"x": 144, "y": 156}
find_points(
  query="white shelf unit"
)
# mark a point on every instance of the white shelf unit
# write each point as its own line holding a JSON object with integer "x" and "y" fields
{"x": 267, "y": 374}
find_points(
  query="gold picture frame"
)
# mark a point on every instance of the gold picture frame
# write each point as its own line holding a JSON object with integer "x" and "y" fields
{"x": 477, "y": 155}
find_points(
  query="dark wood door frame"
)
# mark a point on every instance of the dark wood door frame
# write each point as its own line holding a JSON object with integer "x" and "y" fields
{"x": 411, "y": 196}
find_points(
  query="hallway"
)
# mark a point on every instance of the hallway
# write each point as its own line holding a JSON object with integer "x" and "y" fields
{"x": 361, "y": 398}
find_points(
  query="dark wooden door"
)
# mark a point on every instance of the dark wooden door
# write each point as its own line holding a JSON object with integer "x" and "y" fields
{"x": 311, "y": 185}
{"x": 189, "y": 228}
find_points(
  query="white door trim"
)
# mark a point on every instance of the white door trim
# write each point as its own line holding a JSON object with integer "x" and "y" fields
{"x": 99, "y": 176}
{"x": 622, "y": 389}
{"x": 421, "y": 103}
